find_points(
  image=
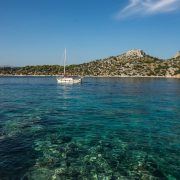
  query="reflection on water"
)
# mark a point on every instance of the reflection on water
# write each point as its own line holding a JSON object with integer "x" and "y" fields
{"x": 104, "y": 128}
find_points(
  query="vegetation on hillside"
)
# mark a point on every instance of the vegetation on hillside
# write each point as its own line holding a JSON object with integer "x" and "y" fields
{"x": 113, "y": 66}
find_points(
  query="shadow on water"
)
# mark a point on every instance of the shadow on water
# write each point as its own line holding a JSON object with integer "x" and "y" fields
{"x": 16, "y": 156}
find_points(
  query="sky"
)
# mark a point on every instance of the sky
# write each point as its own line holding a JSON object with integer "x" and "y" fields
{"x": 35, "y": 32}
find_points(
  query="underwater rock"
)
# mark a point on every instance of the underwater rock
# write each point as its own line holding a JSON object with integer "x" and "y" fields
{"x": 66, "y": 139}
{"x": 61, "y": 149}
{"x": 72, "y": 145}
{"x": 41, "y": 173}
{"x": 60, "y": 171}
{"x": 73, "y": 153}
{"x": 64, "y": 173}
{"x": 2, "y": 137}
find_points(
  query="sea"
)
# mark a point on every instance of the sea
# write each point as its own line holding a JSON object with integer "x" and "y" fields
{"x": 103, "y": 128}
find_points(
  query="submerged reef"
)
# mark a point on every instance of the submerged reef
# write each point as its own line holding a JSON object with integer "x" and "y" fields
{"x": 55, "y": 155}
{"x": 66, "y": 158}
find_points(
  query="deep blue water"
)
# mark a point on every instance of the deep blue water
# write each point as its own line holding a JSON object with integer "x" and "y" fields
{"x": 104, "y": 128}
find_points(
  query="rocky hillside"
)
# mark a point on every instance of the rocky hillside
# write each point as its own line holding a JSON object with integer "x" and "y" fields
{"x": 131, "y": 63}
{"x": 177, "y": 54}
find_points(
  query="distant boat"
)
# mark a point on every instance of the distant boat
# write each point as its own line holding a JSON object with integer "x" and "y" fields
{"x": 68, "y": 79}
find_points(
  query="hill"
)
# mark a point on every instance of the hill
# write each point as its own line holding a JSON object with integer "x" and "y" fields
{"x": 131, "y": 63}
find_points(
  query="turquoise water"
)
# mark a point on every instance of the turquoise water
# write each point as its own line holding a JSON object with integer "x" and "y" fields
{"x": 104, "y": 128}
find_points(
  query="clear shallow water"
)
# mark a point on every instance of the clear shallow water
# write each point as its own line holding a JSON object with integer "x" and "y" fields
{"x": 104, "y": 128}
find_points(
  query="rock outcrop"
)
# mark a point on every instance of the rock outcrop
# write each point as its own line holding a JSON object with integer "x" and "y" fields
{"x": 135, "y": 53}
{"x": 177, "y": 55}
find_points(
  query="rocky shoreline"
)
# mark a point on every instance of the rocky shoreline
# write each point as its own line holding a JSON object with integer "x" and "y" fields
{"x": 177, "y": 76}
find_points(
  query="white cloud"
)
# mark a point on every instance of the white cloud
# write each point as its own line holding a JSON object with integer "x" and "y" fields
{"x": 148, "y": 7}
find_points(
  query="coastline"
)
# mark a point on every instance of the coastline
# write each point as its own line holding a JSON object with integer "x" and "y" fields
{"x": 168, "y": 77}
{"x": 176, "y": 77}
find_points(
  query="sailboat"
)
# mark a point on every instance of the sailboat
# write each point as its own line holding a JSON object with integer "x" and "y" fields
{"x": 68, "y": 79}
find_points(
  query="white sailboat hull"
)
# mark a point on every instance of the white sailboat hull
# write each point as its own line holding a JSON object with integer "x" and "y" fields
{"x": 68, "y": 80}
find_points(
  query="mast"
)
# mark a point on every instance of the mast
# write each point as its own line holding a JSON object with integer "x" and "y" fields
{"x": 64, "y": 61}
